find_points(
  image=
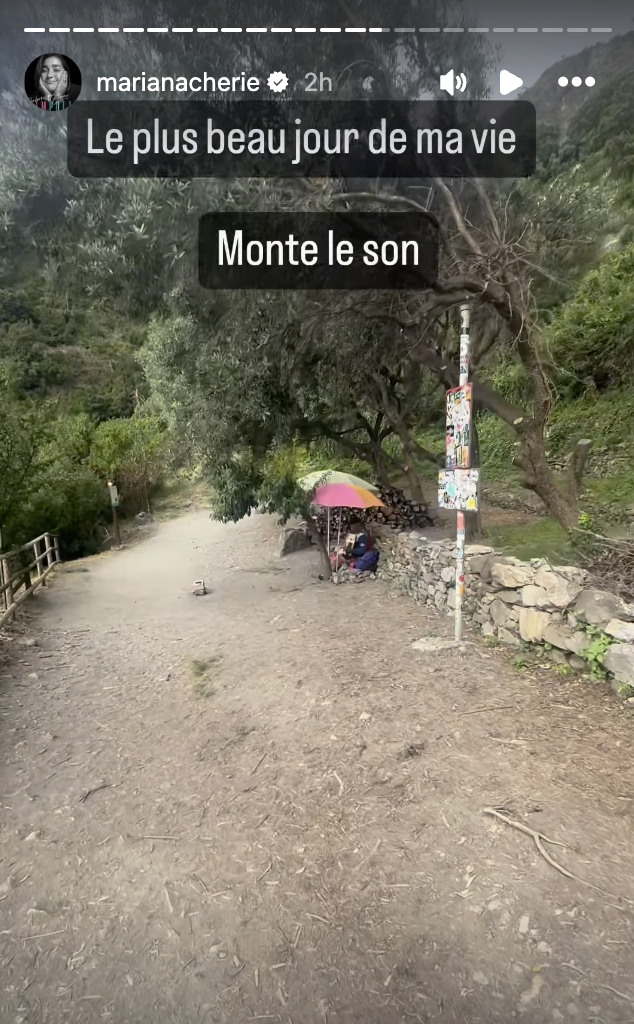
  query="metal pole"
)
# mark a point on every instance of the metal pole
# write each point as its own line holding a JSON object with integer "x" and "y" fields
{"x": 460, "y": 529}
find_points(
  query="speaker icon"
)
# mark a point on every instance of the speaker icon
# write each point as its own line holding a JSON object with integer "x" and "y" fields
{"x": 448, "y": 81}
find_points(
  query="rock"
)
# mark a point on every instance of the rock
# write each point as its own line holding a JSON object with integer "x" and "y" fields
{"x": 477, "y": 549}
{"x": 560, "y": 636}
{"x": 481, "y": 565}
{"x": 451, "y": 598}
{"x": 507, "y": 637}
{"x": 488, "y": 629}
{"x": 598, "y": 607}
{"x": 28, "y": 641}
{"x": 561, "y": 592}
{"x": 578, "y": 642}
{"x": 199, "y": 589}
{"x": 447, "y": 574}
{"x": 511, "y": 576}
{"x": 429, "y": 577}
{"x": 571, "y": 572}
{"x": 500, "y": 613}
{"x": 577, "y": 663}
{"x": 439, "y": 599}
{"x": 365, "y": 716}
{"x": 509, "y": 596}
{"x": 533, "y": 624}
{"x": 534, "y": 597}
{"x": 619, "y": 660}
{"x": 620, "y": 630}
{"x": 480, "y": 618}
{"x": 523, "y": 926}
{"x": 292, "y": 540}
{"x": 441, "y": 588}
{"x": 143, "y": 519}
{"x": 558, "y": 657}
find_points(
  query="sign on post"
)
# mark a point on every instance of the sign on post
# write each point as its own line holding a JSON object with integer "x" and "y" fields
{"x": 114, "y": 494}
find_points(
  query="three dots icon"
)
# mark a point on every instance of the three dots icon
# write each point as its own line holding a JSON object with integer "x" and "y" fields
{"x": 576, "y": 81}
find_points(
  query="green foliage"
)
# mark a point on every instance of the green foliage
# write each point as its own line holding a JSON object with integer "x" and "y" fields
{"x": 268, "y": 484}
{"x": 603, "y": 127}
{"x": 592, "y": 335}
{"x": 78, "y": 352}
{"x": 132, "y": 453}
{"x": 595, "y": 651}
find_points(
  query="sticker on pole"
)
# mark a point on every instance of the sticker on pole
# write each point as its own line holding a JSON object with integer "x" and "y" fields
{"x": 458, "y": 441}
{"x": 458, "y": 489}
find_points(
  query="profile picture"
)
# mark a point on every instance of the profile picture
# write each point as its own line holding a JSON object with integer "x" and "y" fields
{"x": 52, "y": 81}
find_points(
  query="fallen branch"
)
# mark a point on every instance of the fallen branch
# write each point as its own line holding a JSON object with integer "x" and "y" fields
{"x": 539, "y": 838}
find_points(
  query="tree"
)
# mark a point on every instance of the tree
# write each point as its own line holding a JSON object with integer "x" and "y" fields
{"x": 132, "y": 453}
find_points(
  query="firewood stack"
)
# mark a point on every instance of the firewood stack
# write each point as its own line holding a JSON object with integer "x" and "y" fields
{"x": 400, "y": 513}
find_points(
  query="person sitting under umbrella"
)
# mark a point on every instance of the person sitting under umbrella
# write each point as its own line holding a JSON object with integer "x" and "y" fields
{"x": 362, "y": 541}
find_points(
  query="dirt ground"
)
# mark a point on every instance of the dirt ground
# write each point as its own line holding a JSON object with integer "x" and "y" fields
{"x": 296, "y": 834}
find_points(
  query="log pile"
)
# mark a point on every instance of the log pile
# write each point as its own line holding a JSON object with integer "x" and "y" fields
{"x": 399, "y": 513}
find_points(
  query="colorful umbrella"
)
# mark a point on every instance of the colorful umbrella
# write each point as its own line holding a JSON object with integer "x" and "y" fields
{"x": 348, "y": 495}
{"x": 334, "y": 476}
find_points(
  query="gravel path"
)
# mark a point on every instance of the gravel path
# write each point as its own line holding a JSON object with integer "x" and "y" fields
{"x": 265, "y": 805}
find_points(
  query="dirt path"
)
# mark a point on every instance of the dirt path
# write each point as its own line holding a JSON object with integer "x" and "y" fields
{"x": 298, "y": 835}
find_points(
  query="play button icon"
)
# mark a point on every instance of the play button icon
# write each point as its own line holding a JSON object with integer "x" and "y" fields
{"x": 509, "y": 83}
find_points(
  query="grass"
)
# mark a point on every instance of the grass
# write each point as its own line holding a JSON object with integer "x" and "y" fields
{"x": 203, "y": 671}
{"x": 542, "y": 538}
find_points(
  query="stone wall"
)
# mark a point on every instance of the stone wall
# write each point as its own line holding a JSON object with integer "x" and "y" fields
{"x": 531, "y": 602}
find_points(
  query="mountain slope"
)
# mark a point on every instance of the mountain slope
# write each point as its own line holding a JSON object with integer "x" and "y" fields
{"x": 604, "y": 61}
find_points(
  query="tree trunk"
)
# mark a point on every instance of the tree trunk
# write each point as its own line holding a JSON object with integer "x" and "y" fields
{"x": 538, "y": 478}
{"x": 319, "y": 541}
{"x": 473, "y": 520}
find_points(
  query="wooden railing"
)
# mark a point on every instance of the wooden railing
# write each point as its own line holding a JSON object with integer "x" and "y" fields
{"x": 20, "y": 577}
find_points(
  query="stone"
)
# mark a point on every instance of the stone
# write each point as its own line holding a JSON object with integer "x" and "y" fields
{"x": 451, "y": 598}
{"x": 571, "y": 572}
{"x": 441, "y": 587}
{"x": 509, "y": 596}
{"x": 500, "y": 613}
{"x": 511, "y": 576}
{"x": 199, "y": 588}
{"x": 578, "y": 642}
{"x": 447, "y": 574}
{"x": 477, "y": 549}
{"x": 558, "y": 657}
{"x": 488, "y": 629}
{"x": 430, "y": 644}
{"x": 480, "y": 618}
{"x": 479, "y": 564}
{"x": 561, "y": 592}
{"x": 619, "y": 660}
{"x": 598, "y": 607}
{"x": 293, "y": 540}
{"x": 507, "y": 637}
{"x": 429, "y": 577}
{"x": 577, "y": 663}
{"x": 439, "y": 599}
{"x": 560, "y": 636}
{"x": 534, "y": 597}
{"x": 532, "y": 624}
{"x": 620, "y": 630}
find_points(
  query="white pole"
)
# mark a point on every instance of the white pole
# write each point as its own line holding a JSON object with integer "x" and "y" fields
{"x": 460, "y": 528}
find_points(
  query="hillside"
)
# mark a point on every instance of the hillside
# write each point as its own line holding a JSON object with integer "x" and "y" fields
{"x": 604, "y": 61}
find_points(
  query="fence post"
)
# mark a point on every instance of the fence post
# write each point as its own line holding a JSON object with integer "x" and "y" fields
{"x": 4, "y": 577}
{"x": 44, "y": 558}
{"x": 56, "y": 545}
